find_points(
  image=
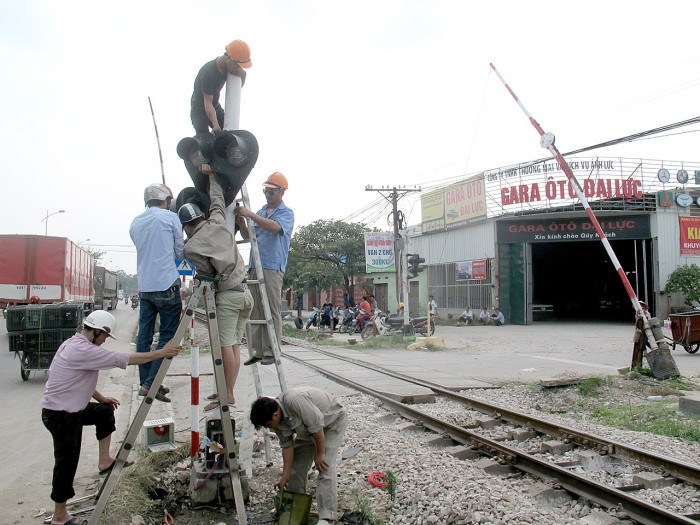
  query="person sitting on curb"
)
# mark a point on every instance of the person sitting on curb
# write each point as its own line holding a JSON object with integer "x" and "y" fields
{"x": 66, "y": 405}
{"x": 467, "y": 317}
{"x": 498, "y": 319}
{"x": 485, "y": 317}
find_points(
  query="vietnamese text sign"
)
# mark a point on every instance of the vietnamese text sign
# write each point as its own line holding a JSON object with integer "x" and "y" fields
{"x": 379, "y": 252}
{"x": 576, "y": 229}
{"x": 690, "y": 236}
{"x": 433, "y": 211}
{"x": 454, "y": 206}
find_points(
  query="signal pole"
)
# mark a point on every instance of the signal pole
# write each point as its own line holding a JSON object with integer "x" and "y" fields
{"x": 393, "y": 195}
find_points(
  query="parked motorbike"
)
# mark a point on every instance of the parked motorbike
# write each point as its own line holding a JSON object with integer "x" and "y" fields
{"x": 349, "y": 323}
{"x": 391, "y": 326}
{"x": 134, "y": 303}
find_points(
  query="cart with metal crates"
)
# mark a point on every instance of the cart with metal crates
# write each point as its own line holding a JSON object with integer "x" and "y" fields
{"x": 35, "y": 332}
{"x": 685, "y": 330}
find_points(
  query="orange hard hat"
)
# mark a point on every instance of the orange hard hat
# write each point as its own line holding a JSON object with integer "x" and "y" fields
{"x": 276, "y": 180}
{"x": 239, "y": 52}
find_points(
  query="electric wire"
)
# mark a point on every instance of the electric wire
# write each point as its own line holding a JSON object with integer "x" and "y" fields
{"x": 370, "y": 214}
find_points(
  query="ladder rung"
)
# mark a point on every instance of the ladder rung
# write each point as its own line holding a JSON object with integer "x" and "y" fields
{"x": 257, "y": 321}
{"x": 243, "y": 241}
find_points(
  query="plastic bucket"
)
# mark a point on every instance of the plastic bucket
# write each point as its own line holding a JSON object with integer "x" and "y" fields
{"x": 292, "y": 508}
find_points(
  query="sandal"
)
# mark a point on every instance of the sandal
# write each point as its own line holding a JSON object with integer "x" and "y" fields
{"x": 213, "y": 396}
{"x": 213, "y": 405}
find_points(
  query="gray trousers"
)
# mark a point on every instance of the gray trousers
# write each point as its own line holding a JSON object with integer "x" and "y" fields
{"x": 326, "y": 484}
{"x": 260, "y": 341}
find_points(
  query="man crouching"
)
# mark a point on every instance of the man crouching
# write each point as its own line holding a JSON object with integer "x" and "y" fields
{"x": 310, "y": 425}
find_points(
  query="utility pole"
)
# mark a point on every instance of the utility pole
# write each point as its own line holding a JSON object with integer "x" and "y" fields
{"x": 393, "y": 195}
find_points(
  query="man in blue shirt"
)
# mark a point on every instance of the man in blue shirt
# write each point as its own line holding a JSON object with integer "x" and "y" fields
{"x": 157, "y": 235}
{"x": 274, "y": 224}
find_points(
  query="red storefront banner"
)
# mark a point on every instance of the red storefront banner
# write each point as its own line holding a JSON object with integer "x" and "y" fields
{"x": 690, "y": 236}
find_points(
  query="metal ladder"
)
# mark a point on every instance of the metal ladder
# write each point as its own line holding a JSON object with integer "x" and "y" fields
{"x": 268, "y": 322}
{"x": 260, "y": 282}
{"x": 206, "y": 288}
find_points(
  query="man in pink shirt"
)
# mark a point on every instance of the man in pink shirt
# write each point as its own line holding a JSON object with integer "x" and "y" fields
{"x": 66, "y": 405}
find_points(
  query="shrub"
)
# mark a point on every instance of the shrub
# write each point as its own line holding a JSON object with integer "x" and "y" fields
{"x": 685, "y": 279}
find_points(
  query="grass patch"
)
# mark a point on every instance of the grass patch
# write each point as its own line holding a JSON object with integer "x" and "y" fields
{"x": 656, "y": 417}
{"x": 136, "y": 489}
{"x": 364, "y": 504}
{"x": 390, "y": 478}
{"x": 680, "y": 383}
{"x": 590, "y": 387}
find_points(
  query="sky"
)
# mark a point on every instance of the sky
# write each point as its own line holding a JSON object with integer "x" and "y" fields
{"x": 341, "y": 95}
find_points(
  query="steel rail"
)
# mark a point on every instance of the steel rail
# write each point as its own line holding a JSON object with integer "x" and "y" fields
{"x": 606, "y": 496}
{"x": 689, "y": 472}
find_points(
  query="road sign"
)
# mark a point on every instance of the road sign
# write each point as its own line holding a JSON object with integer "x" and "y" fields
{"x": 184, "y": 267}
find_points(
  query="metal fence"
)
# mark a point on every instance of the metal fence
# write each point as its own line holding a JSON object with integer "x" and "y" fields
{"x": 452, "y": 294}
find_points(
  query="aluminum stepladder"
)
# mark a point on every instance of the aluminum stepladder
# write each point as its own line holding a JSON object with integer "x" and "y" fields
{"x": 268, "y": 321}
{"x": 204, "y": 288}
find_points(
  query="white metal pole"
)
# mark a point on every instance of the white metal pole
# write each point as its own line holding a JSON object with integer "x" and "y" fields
{"x": 232, "y": 105}
{"x": 232, "y": 117}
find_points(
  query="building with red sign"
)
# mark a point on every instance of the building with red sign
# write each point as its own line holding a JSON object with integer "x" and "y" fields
{"x": 536, "y": 249}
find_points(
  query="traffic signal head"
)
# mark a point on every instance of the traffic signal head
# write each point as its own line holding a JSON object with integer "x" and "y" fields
{"x": 231, "y": 156}
{"x": 196, "y": 152}
{"x": 235, "y": 154}
{"x": 414, "y": 261}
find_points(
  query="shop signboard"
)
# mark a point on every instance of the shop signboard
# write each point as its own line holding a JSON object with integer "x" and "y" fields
{"x": 690, "y": 236}
{"x": 454, "y": 206}
{"x": 379, "y": 252}
{"x": 572, "y": 229}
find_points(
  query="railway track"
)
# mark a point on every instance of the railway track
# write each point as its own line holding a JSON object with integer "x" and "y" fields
{"x": 572, "y": 458}
{"x": 607, "y": 472}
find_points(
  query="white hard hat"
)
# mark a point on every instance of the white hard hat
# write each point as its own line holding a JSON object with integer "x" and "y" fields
{"x": 102, "y": 320}
{"x": 158, "y": 192}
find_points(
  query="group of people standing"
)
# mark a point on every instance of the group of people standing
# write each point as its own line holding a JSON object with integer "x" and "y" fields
{"x": 310, "y": 422}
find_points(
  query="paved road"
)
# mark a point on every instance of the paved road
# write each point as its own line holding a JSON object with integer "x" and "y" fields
{"x": 491, "y": 354}
{"x": 26, "y": 453}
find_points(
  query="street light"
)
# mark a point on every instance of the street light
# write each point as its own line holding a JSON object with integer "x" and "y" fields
{"x": 45, "y": 220}
{"x": 85, "y": 240}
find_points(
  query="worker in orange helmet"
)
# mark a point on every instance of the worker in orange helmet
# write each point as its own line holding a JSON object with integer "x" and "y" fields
{"x": 273, "y": 225}
{"x": 206, "y": 112}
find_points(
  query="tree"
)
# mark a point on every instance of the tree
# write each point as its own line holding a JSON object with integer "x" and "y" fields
{"x": 129, "y": 283}
{"x": 685, "y": 279}
{"x": 326, "y": 253}
{"x": 96, "y": 255}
